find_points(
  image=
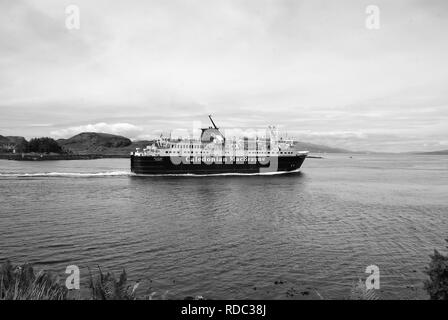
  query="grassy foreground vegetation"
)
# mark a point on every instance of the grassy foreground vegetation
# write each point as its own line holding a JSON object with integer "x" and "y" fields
{"x": 437, "y": 285}
{"x": 23, "y": 283}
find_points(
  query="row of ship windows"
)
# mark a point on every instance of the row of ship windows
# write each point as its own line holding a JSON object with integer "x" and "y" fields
{"x": 281, "y": 152}
{"x": 181, "y": 146}
{"x": 186, "y": 146}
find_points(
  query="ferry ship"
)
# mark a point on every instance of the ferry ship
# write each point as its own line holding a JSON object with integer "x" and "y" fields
{"x": 212, "y": 153}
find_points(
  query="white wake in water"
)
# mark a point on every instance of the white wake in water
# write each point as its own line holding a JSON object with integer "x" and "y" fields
{"x": 217, "y": 174}
{"x": 128, "y": 173}
{"x": 67, "y": 174}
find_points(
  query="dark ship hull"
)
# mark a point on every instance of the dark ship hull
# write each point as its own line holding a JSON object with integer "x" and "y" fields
{"x": 195, "y": 165}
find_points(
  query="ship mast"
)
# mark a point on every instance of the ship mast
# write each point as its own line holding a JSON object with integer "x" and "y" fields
{"x": 213, "y": 123}
{"x": 217, "y": 129}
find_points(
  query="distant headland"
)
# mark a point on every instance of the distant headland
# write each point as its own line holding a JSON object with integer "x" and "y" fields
{"x": 86, "y": 145}
{"x": 94, "y": 145}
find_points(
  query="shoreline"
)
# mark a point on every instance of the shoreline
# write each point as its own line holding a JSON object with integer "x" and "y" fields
{"x": 44, "y": 157}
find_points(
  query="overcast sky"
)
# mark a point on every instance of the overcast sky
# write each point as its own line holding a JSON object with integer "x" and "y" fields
{"x": 311, "y": 67}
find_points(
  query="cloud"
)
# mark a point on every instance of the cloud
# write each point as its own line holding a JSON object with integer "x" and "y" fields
{"x": 41, "y": 125}
{"x": 124, "y": 129}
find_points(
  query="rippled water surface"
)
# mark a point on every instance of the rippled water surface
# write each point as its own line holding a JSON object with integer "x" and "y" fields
{"x": 228, "y": 237}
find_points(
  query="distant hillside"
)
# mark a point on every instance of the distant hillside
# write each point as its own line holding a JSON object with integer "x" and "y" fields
{"x": 440, "y": 152}
{"x": 3, "y": 140}
{"x": 11, "y": 143}
{"x": 15, "y": 140}
{"x": 93, "y": 143}
{"x": 316, "y": 148}
{"x": 101, "y": 143}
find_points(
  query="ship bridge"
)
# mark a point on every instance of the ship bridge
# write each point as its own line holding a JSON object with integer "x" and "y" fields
{"x": 212, "y": 134}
